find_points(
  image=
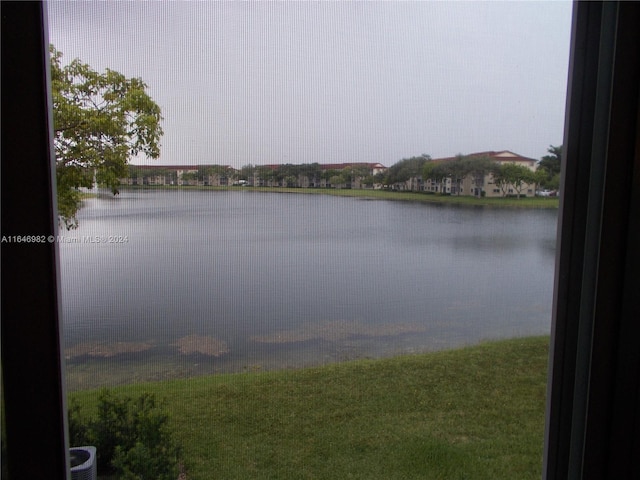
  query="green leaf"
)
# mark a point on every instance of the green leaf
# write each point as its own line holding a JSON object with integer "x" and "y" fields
{"x": 100, "y": 121}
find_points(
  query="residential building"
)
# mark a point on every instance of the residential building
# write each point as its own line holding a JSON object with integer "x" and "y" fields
{"x": 481, "y": 184}
{"x": 192, "y": 175}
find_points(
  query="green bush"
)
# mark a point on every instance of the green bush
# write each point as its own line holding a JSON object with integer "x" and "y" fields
{"x": 144, "y": 462}
{"x": 78, "y": 430}
{"x": 131, "y": 437}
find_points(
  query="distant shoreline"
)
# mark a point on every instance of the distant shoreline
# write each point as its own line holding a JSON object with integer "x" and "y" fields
{"x": 527, "y": 202}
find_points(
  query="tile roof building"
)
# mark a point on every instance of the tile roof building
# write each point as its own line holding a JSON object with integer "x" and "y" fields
{"x": 482, "y": 185}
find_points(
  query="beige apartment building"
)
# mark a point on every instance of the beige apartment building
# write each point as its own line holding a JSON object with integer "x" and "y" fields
{"x": 477, "y": 186}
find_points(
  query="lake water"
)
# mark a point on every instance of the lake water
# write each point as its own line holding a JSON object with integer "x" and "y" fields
{"x": 198, "y": 282}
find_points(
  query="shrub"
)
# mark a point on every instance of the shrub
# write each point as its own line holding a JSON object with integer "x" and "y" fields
{"x": 131, "y": 437}
{"x": 78, "y": 431}
{"x": 144, "y": 462}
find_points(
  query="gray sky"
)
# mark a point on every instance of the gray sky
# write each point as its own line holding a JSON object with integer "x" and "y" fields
{"x": 331, "y": 82}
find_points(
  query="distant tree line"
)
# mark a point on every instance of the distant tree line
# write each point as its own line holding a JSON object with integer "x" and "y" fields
{"x": 289, "y": 175}
{"x": 286, "y": 175}
{"x": 510, "y": 178}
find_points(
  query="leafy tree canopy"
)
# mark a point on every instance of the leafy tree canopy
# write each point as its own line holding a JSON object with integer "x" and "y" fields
{"x": 509, "y": 175}
{"x": 100, "y": 121}
{"x": 550, "y": 166}
{"x": 458, "y": 168}
{"x": 551, "y": 162}
{"x": 406, "y": 168}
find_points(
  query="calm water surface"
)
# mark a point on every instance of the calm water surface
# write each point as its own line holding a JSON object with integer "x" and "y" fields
{"x": 212, "y": 281}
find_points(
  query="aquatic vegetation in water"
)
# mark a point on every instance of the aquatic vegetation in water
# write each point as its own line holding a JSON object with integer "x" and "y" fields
{"x": 105, "y": 350}
{"x": 204, "y": 345}
{"x": 338, "y": 330}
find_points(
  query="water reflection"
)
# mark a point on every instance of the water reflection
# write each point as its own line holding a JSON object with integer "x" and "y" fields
{"x": 338, "y": 278}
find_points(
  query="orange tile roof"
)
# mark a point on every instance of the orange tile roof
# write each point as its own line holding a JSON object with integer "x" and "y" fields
{"x": 490, "y": 154}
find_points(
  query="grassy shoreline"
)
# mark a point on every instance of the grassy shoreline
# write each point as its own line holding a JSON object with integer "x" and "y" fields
{"x": 472, "y": 413}
{"x": 534, "y": 202}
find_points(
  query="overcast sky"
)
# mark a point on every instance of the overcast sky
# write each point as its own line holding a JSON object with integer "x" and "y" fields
{"x": 332, "y": 82}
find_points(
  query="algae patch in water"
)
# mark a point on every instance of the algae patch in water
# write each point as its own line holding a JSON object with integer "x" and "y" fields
{"x": 105, "y": 350}
{"x": 338, "y": 330}
{"x": 204, "y": 345}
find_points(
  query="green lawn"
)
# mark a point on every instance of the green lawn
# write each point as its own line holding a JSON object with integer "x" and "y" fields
{"x": 530, "y": 202}
{"x": 473, "y": 413}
